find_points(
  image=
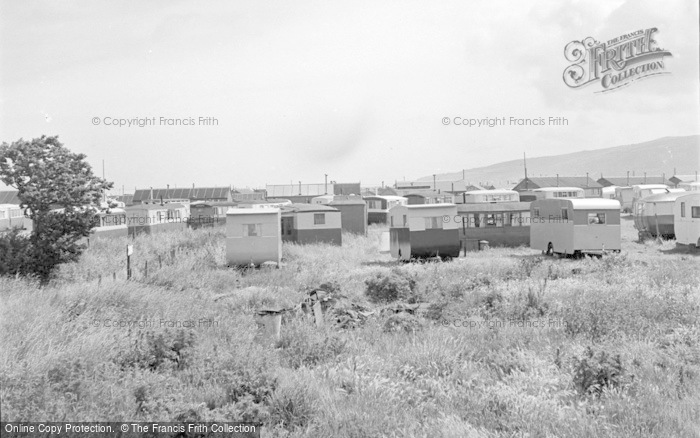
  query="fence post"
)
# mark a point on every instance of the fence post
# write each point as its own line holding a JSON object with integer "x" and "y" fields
{"x": 146, "y": 269}
{"x": 160, "y": 262}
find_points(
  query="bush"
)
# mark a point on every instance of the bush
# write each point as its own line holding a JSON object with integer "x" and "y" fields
{"x": 392, "y": 286}
{"x": 402, "y": 322}
{"x": 14, "y": 253}
{"x": 305, "y": 345}
{"x": 157, "y": 351}
{"x": 597, "y": 371}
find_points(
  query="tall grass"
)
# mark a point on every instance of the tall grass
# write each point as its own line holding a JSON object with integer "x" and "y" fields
{"x": 513, "y": 344}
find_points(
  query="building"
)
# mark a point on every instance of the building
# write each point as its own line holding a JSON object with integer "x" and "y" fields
{"x": 691, "y": 186}
{"x": 501, "y": 223}
{"x": 575, "y": 226}
{"x": 179, "y": 195}
{"x": 423, "y": 231}
{"x": 303, "y": 193}
{"x": 629, "y": 181}
{"x": 379, "y": 191}
{"x": 378, "y": 207}
{"x": 253, "y": 236}
{"x": 323, "y": 199}
{"x": 244, "y": 194}
{"x": 12, "y": 216}
{"x": 591, "y": 188}
{"x": 686, "y": 214}
{"x": 154, "y": 218}
{"x": 654, "y": 216}
{"x": 307, "y": 223}
{"x": 353, "y": 213}
{"x": 553, "y": 193}
{"x": 675, "y": 180}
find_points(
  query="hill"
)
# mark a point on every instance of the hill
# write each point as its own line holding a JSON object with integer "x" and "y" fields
{"x": 667, "y": 155}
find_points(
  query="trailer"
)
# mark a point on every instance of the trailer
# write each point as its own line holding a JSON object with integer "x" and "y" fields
{"x": 686, "y": 214}
{"x": 653, "y": 215}
{"x": 423, "y": 231}
{"x": 378, "y": 207}
{"x": 575, "y": 226}
{"x": 253, "y": 236}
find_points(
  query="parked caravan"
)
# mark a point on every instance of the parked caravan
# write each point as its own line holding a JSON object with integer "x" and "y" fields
{"x": 154, "y": 218}
{"x": 209, "y": 214}
{"x": 690, "y": 186}
{"x": 653, "y": 215}
{"x": 253, "y": 236}
{"x": 608, "y": 192}
{"x": 378, "y": 207}
{"x": 575, "y": 226}
{"x": 552, "y": 193}
{"x": 421, "y": 231}
{"x": 353, "y": 213}
{"x": 323, "y": 199}
{"x": 624, "y": 195}
{"x": 488, "y": 196}
{"x": 640, "y": 191}
{"x": 309, "y": 223}
{"x": 110, "y": 223}
{"x": 501, "y": 223}
{"x": 686, "y": 216}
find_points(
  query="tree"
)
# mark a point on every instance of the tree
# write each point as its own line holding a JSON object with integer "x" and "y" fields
{"x": 59, "y": 192}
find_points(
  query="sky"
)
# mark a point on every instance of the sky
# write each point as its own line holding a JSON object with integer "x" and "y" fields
{"x": 355, "y": 90}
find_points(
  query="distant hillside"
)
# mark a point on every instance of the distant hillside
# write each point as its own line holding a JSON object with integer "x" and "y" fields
{"x": 654, "y": 157}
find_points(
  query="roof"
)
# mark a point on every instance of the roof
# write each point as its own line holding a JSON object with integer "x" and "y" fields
{"x": 197, "y": 204}
{"x": 583, "y": 203}
{"x": 650, "y": 186}
{"x": 427, "y": 194}
{"x": 493, "y": 207}
{"x": 9, "y": 197}
{"x": 168, "y": 206}
{"x": 561, "y": 181}
{"x": 623, "y": 181}
{"x": 428, "y": 206}
{"x": 253, "y": 210}
{"x": 191, "y": 193}
{"x": 684, "y": 178}
{"x": 556, "y": 189}
{"x": 379, "y": 191}
{"x": 688, "y": 195}
{"x": 663, "y": 197}
{"x": 387, "y": 197}
{"x": 491, "y": 192}
{"x": 307, "y": 208}
{"x": 284, "y": 190}
{"x": 358, "y": 201}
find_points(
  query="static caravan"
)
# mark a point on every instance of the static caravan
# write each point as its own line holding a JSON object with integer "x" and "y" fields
{"x": 501, "y": 223}
{"x": 575, "y": 226}
{"x": 640, "y": 191}
{"x": 690, "y": 186}
{"x": 110, "y": 223}
{"x": 154, "y": 218}
{"x": 209, "y": 214}
{"x": 560, "y": 193}
{"x": 308, "y": 223}
{"x": 353, "y": 213}
{"x": 686, "y": 213}
{"x": 378, "y": 207}
{"x": 421, "y": 231}
{"x": 653, "y": 215}
{"x": 428, "y": 197}
{"x": 11, "y": 216}
{"x": 253, "y": 236}
{"x": 624, "y": 195}
{"x": 323, "y": 199}
{"x": 608, "y": 192}
{"x": 488, "y": 196}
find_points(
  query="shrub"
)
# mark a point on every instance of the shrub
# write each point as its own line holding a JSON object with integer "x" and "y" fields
{"x": 156, "y": 351}
{"x": 597, "y": 371}
{"x": 305, "y": 345}
{"x": 392, "y": 286}
{"x": 402, "y": 322}
{"x": 14, "y": 253}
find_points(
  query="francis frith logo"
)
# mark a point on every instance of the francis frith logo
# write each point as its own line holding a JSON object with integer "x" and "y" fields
{"x": 615, "y": 63}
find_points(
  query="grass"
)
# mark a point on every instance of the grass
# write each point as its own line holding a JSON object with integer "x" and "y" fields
{"x": 513, "y": 343}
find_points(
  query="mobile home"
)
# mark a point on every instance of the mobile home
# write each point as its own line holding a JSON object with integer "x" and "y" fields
{"x": 309, "y": 223}
{"x": 154, "y": 218}
{"x": 624, "y": 195}
{"x": 686, "y": 214}
{"x": 378, "y": 207}
{"x": 640, "y": 191}
{"x": 653, "y": 215}
{"x": 693, "y": 186}
{"x": 501, "y": 223}
{"x": 253, "y": 236}
{"x": 487, "y": 196}
{"x": 420, "y": 231}
{"x": 110, "y": 223}
{"x": 353, "y": 213}
{"x": 323, "y": 199}
{"x": 209, "y": 214}
{"x": 575, "y": 226}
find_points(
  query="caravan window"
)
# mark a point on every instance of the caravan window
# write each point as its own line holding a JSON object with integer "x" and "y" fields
{"x": 252, "y": 230}
{"x": 405, "y": 221}
{"x": 596, "y": 218}
{"x": 695, "y": 212}
{"x": 433, "y": 222}
{"x": 319, "y": 218}
{"x": 682, "y": 209}
{"x": 565, "y": 214}
{"x": 537, "y": 212}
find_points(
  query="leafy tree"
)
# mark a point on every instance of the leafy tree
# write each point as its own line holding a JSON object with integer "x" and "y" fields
{"x": 59, "y": 191}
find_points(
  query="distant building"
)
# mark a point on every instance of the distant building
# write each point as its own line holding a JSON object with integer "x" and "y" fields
{"x": 592, "y": 189}
{"x": 353, "y": 213}
{"x": 246, "y": 194}
{"x": 378, "y": 191}
{"x": 307, "y": 223}
{"x": 674, "y": 180}
{"x": 303, "y": 193}
{"x": 419, "y": 197}
{"x": 193, "y": 194}
{"x": 153, "y": 218}
{"x": 623, "y": 181}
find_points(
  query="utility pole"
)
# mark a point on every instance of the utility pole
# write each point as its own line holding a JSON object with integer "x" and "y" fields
{"x": 326, "y": 183}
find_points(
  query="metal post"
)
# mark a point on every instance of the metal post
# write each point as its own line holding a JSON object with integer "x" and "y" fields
{"x": 128, "y": 264}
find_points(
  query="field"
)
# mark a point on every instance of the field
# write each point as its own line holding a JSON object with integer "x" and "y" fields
{"x": 511, "y": 343}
